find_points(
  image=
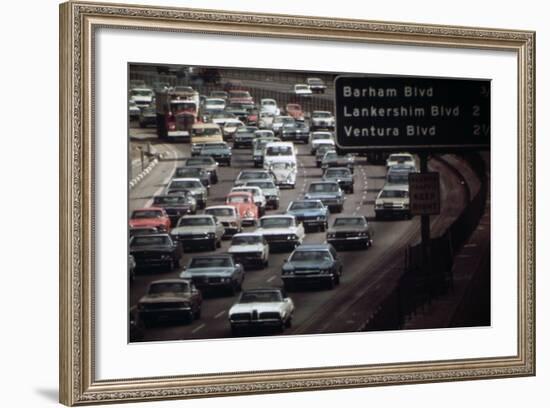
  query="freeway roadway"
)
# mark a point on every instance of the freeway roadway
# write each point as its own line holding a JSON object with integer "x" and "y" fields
{"x": 366, "y": 272}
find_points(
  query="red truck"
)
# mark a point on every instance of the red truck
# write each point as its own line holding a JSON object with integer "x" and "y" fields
{"x": 177, "y": 112}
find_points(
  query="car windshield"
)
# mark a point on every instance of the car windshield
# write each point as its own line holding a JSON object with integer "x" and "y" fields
{"x": 173, "y": 199}
{"x": 278, "y": 151}
{"x": 394, "y": 194}
{"x": 310, "y": 256}
{"x": 188, "y": 172}
{"x": 248, "y": 189}
{"x": 214, "y": 146}
{"x": 292, "y": 107}
{"x": 349, "y": 221}
{"x": 219, "y": 102}
{"x": 301, "y": 87}
{"x": 220, "y": 94}
{"x": 209, "y": 131}
{"x": 263, "y": 296}
{"x": 238, "y": 199}
{"x": 400, "y": 157}
{"x": 195, "y": 222}
{"x": 249, "y": 175}
{"x": 139, "y": 214}
{"x": 240, "y": 94}
{"x": 331, "y": 156}
{"x": 261, "y": 184}
{"x": 337, "y": 173}
{"x": 263, "y": 133}
{"x": 169, "y": 287}
{"x": 279, "y": 222}
{"x": 320, "y": 136}
{"x": 145, "y": 240}
{"x": 268, "y": 103}
{"x": 183, "y": 184}
{"x": 141, "y": 92}
{"x": 200, "y": 161}
{"x": 210, "y": 262}
{"x": 282, "y": 119}
{"x": 180, "y": 106}
{"x": 246, "y": 240}
{"x": 220, "y": 212}
{"x": 321, "y": 115}
{"x": 323, "y": 149}
{"x": 281, "y": 165}
{"x": 398, "y": 178}
{"x": 315, "y": 81}
{"x": 305, "y": 205}
{"x": 323, "y": 188}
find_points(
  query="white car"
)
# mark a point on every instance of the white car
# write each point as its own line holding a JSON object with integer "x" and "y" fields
{"x": 281, "y": 231}
{"x": 214, "y": 104}
{"x": 133, "y": 109}
{"x": 228, "y": 216}
{"x": 263, "y": 133}
{"x": 284, "y": 173}
{"x": 266, "y": 120}
{"x": 322, "y": 120}
{"x": 143, "y": 97}
{"x": 279, "y": 122}
{"x": 302, "y": 90}
{"x": 231, "y": 126}
{"x": 249, "y": 249}
{"x": 261, "y": 308}
{"x": 316, "y": 85}
{"x": 393, "y": 200}
{"x": 270, "y": 106}
{"x": 401, "y": 159}
{"x": 270, "y": 191}
{"x": 257, "y": 195}
{"x": 317, "y": 139}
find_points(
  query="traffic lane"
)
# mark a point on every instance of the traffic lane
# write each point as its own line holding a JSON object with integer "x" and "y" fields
{"x": 359, "y": 296}
{"x": 211, "y": 324}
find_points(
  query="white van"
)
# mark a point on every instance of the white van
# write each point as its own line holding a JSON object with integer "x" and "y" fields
{"x": 279, "y": 152}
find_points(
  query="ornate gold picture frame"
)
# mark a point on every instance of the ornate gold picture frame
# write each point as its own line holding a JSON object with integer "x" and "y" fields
{"x": 79, "y": 22}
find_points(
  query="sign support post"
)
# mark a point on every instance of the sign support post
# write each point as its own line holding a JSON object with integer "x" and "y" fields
{"x": 425, "y": 230}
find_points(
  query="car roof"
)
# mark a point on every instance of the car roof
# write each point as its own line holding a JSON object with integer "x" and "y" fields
{"x": 238, "y": 193}
{"x": 159, "y": 234}
{"x": 248, "y": 234}
{"x": 220, "y": 207}
{"x": 212, "y": 256}
{"x": 148, "y": 209}
{"x": 397, "y": 187}
{"x": 337, "y": 168}
{"x": 187, "y": 216}
{"x": 185, "y": 179}
{"x": 173, "y": 280}
{"x": 306, "y": 200}
{"x": 313, "y": 247}
{"x": 277, "y": 216}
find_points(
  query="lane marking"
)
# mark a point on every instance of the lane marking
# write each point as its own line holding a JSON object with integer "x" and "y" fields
{"x": 167, "y": 179}
{"x": 196, "y": 329}
{"x": 219, "y": 314}
{"x": 271, "y": 278}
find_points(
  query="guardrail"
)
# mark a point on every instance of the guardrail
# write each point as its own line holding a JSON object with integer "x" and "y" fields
{"x": 416, "y": 289}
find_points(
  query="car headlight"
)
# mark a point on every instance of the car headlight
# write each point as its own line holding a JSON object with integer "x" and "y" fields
{"x": 378, "y": 205}
{"x": 331, "y": 235}
{"x": 211, "y": 235}
{"x": 405, "y": 205}
{"x": 226, "y": 280}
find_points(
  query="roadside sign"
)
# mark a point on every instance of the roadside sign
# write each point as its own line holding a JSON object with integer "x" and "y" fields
{"x": 424, "y": 195}
{"x": 395, "y": 113}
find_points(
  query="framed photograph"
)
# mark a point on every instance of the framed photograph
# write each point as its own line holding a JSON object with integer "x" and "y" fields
{"x": 256, "y": 203}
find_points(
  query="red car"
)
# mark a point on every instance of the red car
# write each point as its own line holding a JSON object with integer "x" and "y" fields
{"x": 295, "y": 110}
{"x": 150, "y": 217}
{"x": 241, "y": 97}
{"x": 243, "y": 201}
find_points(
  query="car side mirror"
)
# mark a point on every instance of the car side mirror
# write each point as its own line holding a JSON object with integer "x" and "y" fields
{"x": 184, "y": 267}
